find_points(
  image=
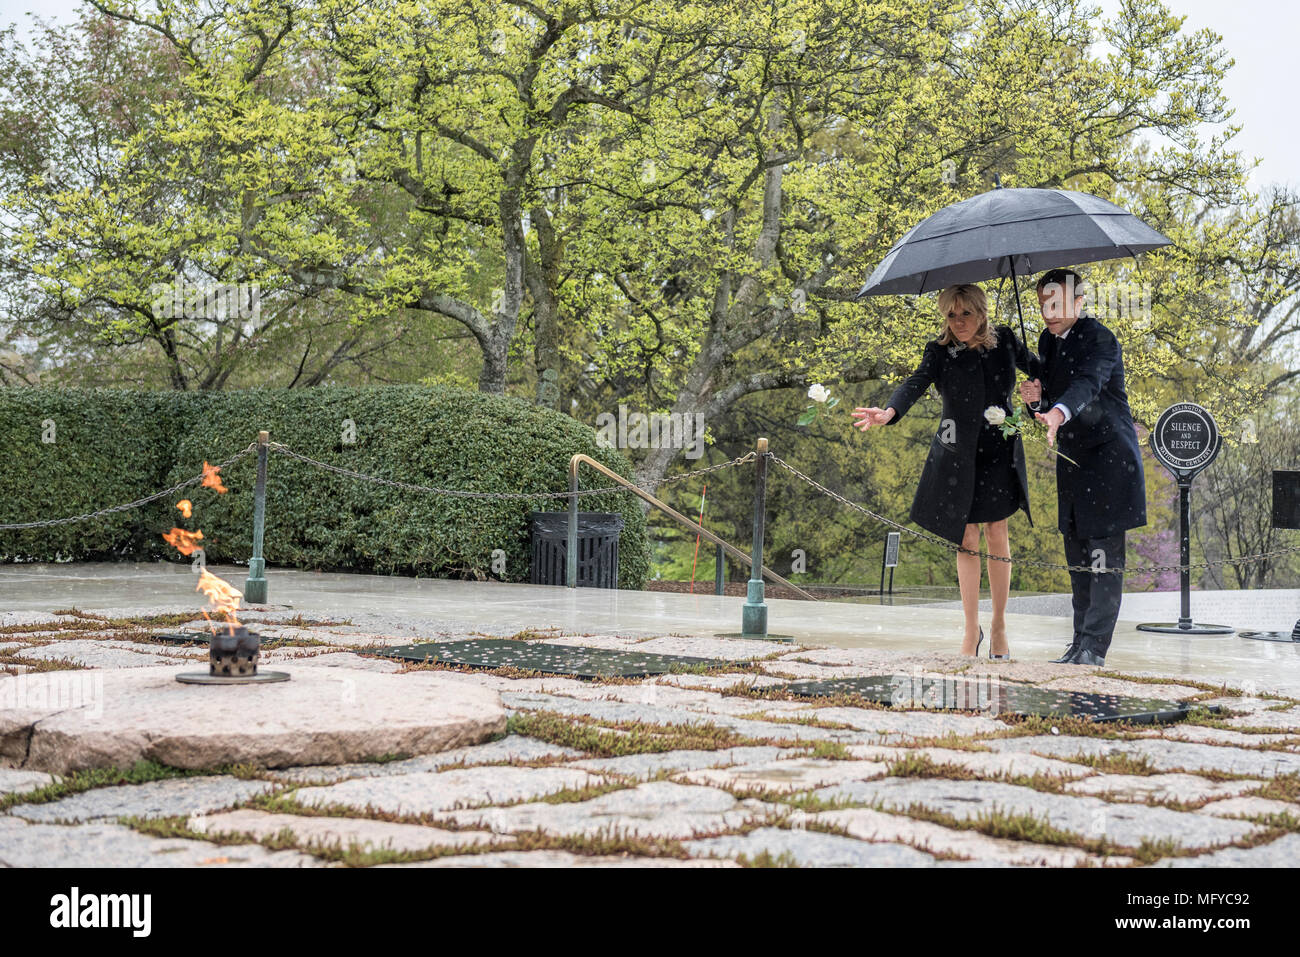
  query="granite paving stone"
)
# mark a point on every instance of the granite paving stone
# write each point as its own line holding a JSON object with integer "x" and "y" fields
{"x": 1123, "y": 824}
{"x": 321, "y": 716}
{"x": 514, "y": 747}
{"x": 872, "y": 825}
{"x": 791, "y": 774}
{"x": 898, "y": 723}
{"x": 97, "y": 654}
{"x": 719, "y": 682}
{"x": 985, "y": 763}
{"x": 1288, "y": 720}
{"x": 1250, "y": 806}
{"x": 25, "y": 844}
{"x": 1284, "y": 852}
{"x": 166, "y": 798}
{"x": 13, "y": 781}
{"x": 654, "y": 809}
{"x": 659, "y": 714}
{"x": 812, "y": 849}
{"x": 1246, "y": 703}
{"x": 1200, "y": 734}
{"x": 666, "y": 696}
{"x": 1103, "y": 684}
{"x": 649, "y": 765}
{"x": 1163, "y": 755}
{"x": 875, "y": 727}
{"x": 559, "y": 859}
{"x": 1187, "y": 788}
{"x": 336, "y": 832}
{"x": 724, "y": 649}
{"x": 426, "y": 792}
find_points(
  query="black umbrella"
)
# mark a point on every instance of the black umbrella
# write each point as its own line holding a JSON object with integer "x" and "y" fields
{"x": 1008, "y": 231}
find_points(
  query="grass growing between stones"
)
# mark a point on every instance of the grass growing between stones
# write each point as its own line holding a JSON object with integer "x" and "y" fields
{"x": 766, "y": 859}
{"x": 563, "y": 796}
{"x": 999, "y": 823}
{"x": 1035, "y": 724}
{"x": 1207, "y": 719}
{"x": 747, "y": 689}
{"x": 1281, "y": 821}
{"x": 1116, "y": 763}
{"x": 12, "y": 663}
{"x": 601, "y": 844}
{"x": 807, "y": 720}
{"x": 1221, "y": 690}
{"x": 1281, "y": 787}
{"x": 142, "y": 772}
{"x": 919, "y": 765}
{"x": 619, "y": 739}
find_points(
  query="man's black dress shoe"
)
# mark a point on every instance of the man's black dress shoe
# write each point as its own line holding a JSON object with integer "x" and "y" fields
{"x": 1068, "y": 657}
{"x": 1085, "y": 656}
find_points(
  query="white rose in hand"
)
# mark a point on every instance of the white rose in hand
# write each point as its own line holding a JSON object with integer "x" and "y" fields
{"x": 994, "y": 415}
{"x": 821, "y": 397}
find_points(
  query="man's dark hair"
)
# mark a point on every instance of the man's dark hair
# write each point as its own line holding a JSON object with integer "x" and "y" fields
{"x": 1068, "y": 278}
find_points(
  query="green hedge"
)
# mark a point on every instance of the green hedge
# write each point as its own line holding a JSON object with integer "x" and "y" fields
{"x": 115, "y": 446}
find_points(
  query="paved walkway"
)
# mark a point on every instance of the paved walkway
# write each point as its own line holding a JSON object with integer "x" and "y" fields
{"x": 717, "y": 768}
{"x": 408, "y": 605}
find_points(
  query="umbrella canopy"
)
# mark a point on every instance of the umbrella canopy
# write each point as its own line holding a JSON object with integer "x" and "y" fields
{"x": 1009, "y": 232}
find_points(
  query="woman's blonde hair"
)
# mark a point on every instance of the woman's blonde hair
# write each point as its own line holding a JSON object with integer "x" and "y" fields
{"x": 972, "y": 297}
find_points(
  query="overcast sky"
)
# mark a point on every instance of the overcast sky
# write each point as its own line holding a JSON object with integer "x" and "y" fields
{"x": 1259, "y": 34}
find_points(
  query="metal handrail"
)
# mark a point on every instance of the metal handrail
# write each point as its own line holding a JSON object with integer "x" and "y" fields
{"x": 572, "y": 570}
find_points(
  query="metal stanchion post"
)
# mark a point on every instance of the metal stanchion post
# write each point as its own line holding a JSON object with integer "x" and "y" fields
{"x": 571, "y": 552}
{"x": 754, "y": 613}
{"x": 255, "y": 586}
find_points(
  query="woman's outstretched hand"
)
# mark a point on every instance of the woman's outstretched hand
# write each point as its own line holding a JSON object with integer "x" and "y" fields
{"x": 872, "y": 416}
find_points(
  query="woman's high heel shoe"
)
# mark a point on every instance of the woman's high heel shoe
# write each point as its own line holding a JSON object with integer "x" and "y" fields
{"x": 992, "y": 656}
{"x": 980, "y": 642}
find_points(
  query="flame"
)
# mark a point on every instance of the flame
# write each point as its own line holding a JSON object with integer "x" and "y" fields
{"x": 212, "y": 478}
{"x": 183, "y": 541}
{"x": 223, "y": 598}
{"x": 186, "y": 506}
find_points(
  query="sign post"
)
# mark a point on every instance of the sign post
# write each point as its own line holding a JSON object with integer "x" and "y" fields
{"x": 1185, "y": 441}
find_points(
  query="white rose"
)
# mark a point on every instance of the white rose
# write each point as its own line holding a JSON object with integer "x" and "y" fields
{"x": 995, "y": 416}
{"x": 817, "y": 392}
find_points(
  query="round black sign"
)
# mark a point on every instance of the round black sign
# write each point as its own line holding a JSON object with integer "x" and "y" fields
{"x": 1185, "y": 439}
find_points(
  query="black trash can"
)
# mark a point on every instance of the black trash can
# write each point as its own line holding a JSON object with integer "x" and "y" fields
{"x": 597, "y": 548}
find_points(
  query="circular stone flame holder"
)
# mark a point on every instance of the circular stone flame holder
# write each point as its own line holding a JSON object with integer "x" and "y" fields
{"x": 233, "y": 656}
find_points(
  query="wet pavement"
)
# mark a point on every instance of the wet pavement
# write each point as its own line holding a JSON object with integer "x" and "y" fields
{"x": 715, "y": 766}
{"x": 415, "y": 606}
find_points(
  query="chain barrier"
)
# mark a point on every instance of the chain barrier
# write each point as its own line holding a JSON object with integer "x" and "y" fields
{"x": 282, "y": 449}
{"x": 950, "y": 546}
{"x": 138, "y": 503}
{"x": 285, "y": 450}
{"x": 461, "y": 493}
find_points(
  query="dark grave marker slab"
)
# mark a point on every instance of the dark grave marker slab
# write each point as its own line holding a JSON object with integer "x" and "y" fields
{"x": 961, "y": 693}
{"x": 570, "y": 660}
{"x": 183, "y": 637}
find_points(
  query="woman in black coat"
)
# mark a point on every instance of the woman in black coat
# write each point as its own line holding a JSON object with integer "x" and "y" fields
{"x": 973, "y": 476}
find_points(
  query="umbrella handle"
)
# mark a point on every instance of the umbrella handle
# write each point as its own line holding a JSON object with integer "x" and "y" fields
{"x": 1011, "y": 260}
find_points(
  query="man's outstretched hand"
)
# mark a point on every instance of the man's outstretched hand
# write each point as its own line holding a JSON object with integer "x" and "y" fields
{"x": 872, "y": 416}
{"x": 1053, "y": 419}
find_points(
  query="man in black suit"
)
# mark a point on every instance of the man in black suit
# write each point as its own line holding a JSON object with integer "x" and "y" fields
{"x": 1081, "y": 400}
